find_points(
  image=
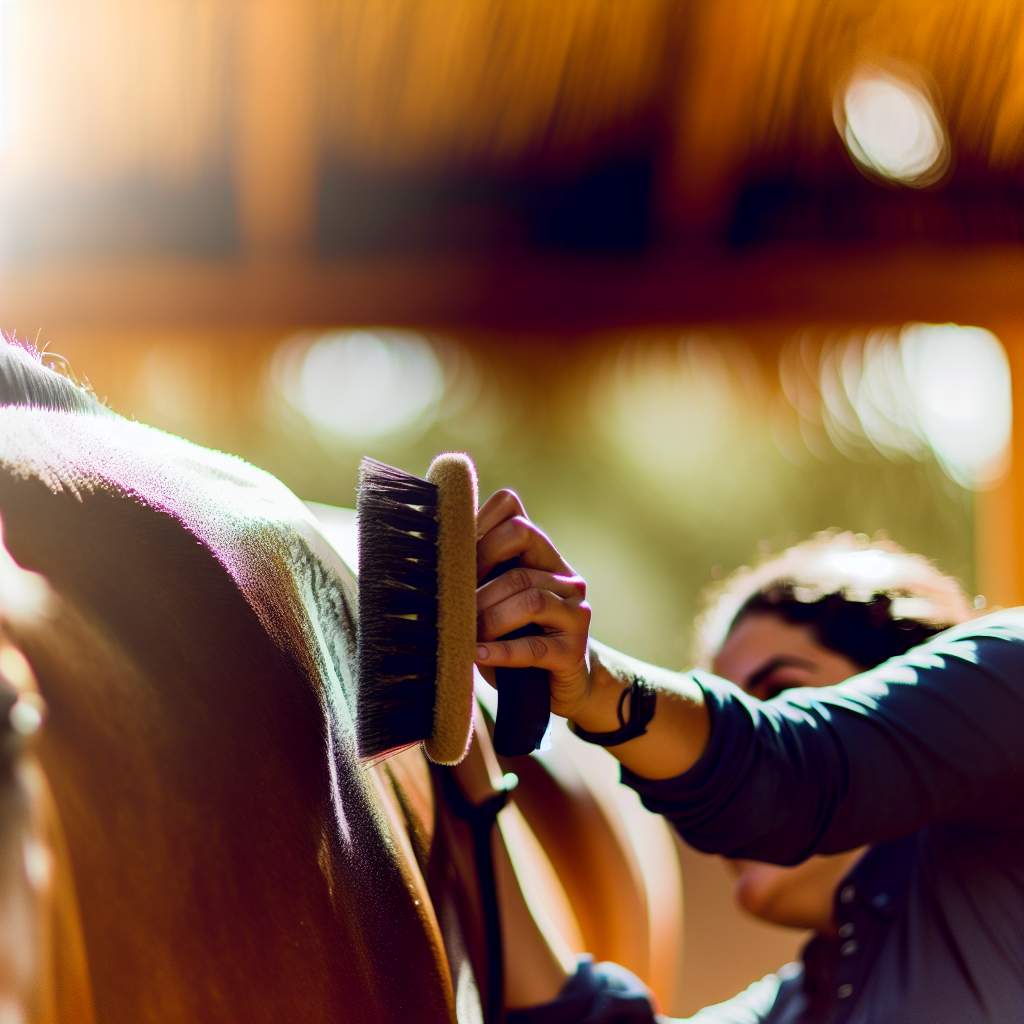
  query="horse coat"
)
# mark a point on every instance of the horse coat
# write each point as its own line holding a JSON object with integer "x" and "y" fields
{"x": 232, "y": 860}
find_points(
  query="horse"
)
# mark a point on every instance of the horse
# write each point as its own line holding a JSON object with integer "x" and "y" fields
{"x": 204, "y": 843}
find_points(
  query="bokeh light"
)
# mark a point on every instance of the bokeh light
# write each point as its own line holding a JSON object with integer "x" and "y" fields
{"x": 891, "y": 128}
{"x": 362, "y": 385}
{"x": 927, "y": 389}
{"x": 667, "y": 406}
{"x": 960, "y": 378}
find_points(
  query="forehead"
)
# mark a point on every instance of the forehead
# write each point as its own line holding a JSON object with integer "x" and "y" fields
{"x": 758, "y": 638}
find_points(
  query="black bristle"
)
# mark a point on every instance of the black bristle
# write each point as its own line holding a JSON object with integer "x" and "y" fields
{"x": 396, "y": 524}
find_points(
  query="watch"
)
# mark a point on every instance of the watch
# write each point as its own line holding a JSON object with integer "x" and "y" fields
{"x": 643, "y": 700}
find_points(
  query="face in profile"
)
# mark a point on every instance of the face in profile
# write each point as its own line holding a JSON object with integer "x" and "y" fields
{"x": 765, "y": 655}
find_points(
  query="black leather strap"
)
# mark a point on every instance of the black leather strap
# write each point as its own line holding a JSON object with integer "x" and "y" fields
{"x": 643, "y": 700}
{"x": 481, "y": 815}
{"x": 480, "y": 818}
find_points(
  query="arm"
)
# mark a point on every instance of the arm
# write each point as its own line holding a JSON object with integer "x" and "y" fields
{"x": 587, "y": 679}
{"x": 931, "y": 737}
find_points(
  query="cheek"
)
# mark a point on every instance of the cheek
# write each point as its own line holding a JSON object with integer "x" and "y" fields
{"x": 759, "y": 887}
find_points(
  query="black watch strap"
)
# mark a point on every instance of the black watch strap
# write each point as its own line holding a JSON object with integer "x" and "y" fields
{"x": 643, "y": 700}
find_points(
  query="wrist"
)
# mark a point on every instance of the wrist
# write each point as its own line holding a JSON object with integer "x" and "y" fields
{"x": 599, "y": 710}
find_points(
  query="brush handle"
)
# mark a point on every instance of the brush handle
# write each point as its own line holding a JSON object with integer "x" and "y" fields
{"x": 524, "y": 696}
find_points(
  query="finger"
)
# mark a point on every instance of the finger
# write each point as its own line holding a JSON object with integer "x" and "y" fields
{"x": 533, "y": 606}
{"x": 519, "y": 538}
{"x": 517, "y": 580}
{"x": 555, "y": 653}
{"x": 501, "y": 505}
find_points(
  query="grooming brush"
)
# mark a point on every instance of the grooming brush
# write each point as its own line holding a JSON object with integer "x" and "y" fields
{"x": 417, "y": 619}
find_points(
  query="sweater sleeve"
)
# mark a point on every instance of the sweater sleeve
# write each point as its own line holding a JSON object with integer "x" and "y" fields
{"x": 933, "y": 736}
{"x": 601, "y": 993}
{"x": 775, "y": 999}
{"x": 605, "y": 993}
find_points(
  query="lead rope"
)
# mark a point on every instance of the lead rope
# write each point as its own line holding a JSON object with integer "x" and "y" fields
{"x": 481, "y": 819}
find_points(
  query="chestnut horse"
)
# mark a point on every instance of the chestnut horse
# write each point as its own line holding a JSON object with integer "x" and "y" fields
{"x": 213, "y": 850}
{"x": 231, "y": 860}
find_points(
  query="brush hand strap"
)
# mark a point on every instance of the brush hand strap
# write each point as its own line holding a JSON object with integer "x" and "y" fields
{"x": 524, "y": 705}
{"x": 480, "y": 818}
{"x": 643, "y": 701}
{"x": 524, "y": 696}
{"x": 483, "y": 814}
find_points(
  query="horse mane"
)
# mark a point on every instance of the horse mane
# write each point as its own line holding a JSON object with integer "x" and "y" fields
{"x": 26, "y": 381}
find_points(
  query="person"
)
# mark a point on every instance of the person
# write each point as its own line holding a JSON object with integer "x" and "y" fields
{"x": 918, "y": 760}
{"x": 814, "y": 615}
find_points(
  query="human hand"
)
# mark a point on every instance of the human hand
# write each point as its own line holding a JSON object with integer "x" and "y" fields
{"x": 542, "y": 589}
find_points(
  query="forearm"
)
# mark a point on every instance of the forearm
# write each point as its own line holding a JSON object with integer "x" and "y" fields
{"x": 678, "y": 732}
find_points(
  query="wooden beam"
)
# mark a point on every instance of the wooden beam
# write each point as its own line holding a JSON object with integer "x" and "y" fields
{"x": 275, "y": 151}
{"x": 998, "y": 526}
{"x": 528, "y": 295}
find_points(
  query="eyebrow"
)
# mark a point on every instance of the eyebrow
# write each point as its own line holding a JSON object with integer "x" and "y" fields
{"x": 782, "y": 661}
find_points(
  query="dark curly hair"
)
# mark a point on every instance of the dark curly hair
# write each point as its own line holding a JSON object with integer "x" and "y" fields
{"x": 865, "y": 599}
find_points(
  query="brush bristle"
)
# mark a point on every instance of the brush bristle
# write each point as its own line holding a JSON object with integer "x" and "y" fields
{"x": 397, "y": 530}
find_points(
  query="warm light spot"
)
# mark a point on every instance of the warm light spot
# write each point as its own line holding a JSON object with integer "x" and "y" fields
{"x": 38, "y": 864}
{"x": 14, "y": 669}
{"x": 927, "y": 388}
{"x": 960, "y": 379}
{"x": 882, "y": 396}
{"x": 891, "y": 128}
{"x": 26, "y": 714}
{"x": 662, "y": 403}
{"x": 362, "y": 384}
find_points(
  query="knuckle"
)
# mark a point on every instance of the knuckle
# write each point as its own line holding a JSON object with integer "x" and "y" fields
{"x": 558, "y": 644}
{"x": 518, "y": 580}
{"x": 508, "y": 499}
{"x": 533, "y": 600}
{"x": 538, "y": 647}
{"x": 506, "y": 648}
{"x": 487, "y": 623}
{"x": 586, "y": 613}
{"x": 521, "y": 528}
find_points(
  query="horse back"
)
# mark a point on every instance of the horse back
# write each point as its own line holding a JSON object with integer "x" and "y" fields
{"x": 231, "y": 860}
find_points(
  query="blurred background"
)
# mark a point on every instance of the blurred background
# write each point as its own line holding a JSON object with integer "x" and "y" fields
{"x": 697, "y": 279}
